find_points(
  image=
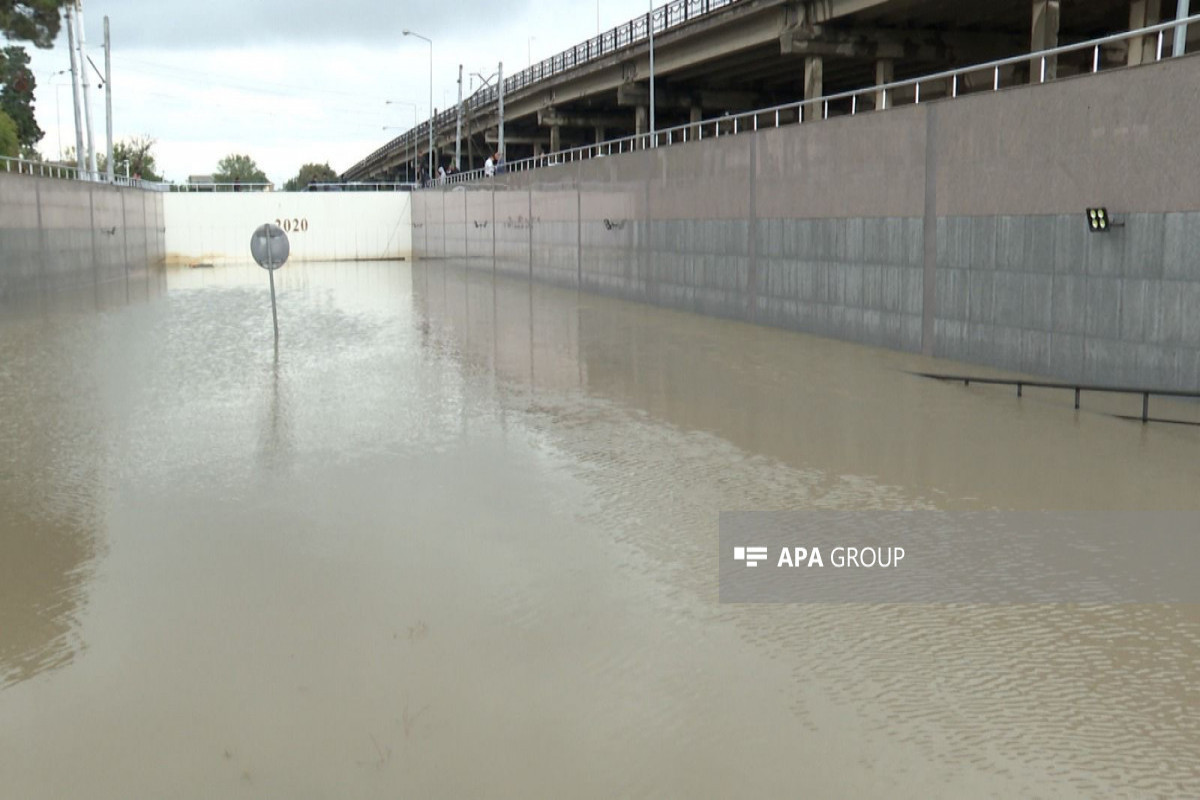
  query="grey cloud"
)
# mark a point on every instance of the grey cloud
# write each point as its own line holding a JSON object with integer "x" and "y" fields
{"x": 238, "y": 23}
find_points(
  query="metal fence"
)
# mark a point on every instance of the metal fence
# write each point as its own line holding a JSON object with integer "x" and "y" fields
{"x": 632, "y": 32}
{"x": 1082, "y": 58}
{"x": 41, "y": 169}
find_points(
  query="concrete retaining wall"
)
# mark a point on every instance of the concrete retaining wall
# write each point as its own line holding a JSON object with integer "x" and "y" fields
{"x": 215, "y": 227}
{"x": 954, "y": 228}
{"x": 59, "y": 234}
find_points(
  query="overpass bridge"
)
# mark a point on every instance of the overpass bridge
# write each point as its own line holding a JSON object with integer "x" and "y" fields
{"x": 716, "y": 57}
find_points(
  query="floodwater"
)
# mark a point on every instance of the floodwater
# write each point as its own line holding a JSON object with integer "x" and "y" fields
{"x": 456, "y": 537}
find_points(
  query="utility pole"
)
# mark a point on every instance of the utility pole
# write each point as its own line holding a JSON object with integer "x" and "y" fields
{"x": 79, "y": 154}
{"x": 458, "y": 125}
{"x": 108, "y": 96}
{"x": 87, "y": 95}
{"x": 500, "y": 84}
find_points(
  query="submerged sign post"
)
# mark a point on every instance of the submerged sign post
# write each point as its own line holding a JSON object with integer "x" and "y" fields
{"x": 270, "y": 248}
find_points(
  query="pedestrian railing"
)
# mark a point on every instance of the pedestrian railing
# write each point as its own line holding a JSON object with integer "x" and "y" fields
{"x": 1082, "y": 58}
{"x": 41, "y": 169}
{"x": 232, "y": 186}
{"x": 359, "y": 186}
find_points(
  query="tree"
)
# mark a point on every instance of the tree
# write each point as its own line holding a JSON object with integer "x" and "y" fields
{"x": 238, "y": 169}
{"x": 10, "y": 146}
{"x": 34, "y": 21}
{"x": 311, "y": 173}
{"x": 16, "y": 93}
{"x": 134, "y": 157}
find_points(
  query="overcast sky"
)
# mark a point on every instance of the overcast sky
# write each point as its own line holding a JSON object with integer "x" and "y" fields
{"x": 297, "y": 81}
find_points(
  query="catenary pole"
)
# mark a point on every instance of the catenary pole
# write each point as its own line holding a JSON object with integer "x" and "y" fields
{"x": 79, "y": 151}
{"x": 81, "y": 38}
{"x": 108, "y": 97}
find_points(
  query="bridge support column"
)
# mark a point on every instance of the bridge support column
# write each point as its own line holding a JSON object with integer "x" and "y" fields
{"x": 555, "y": 138}
{"x": 1141, "y": 14}
{"x": 885, "y": 72}
{"x": 641, "y": 120}
{"x": 814, "y": 86}
{"x": 600, "y": 134}
{"x": 1044, "y": 36}
{"x": 695, "y": 114}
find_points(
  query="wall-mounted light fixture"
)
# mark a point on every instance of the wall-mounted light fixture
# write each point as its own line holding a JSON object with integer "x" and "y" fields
{"x": 1099, "y": 221}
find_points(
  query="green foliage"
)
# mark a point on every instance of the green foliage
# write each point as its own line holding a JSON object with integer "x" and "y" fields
{"x": 16, "y": 93}
{"x": 238, "y": 169}
{"x": 34, "y": 21}
{"x": 311, "y": 173}
{"x": 9, "y": 144}
{"x": 135, "y": 157}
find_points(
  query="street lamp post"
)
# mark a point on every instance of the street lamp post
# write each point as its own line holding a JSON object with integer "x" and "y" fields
{"x": 428, "y": 41}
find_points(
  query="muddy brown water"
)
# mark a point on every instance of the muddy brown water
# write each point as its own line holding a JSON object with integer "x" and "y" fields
{"x": 457, "y": 536}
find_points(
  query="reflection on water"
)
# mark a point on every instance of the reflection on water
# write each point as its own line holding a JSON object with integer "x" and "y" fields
{"x": 52, "y": 454}
{"x": 456, "y": 537}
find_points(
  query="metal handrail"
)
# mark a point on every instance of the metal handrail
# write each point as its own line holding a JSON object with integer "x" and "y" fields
{"x": 625, "y": 35}
{"x": 1021, "y": 383}
{"x": 229, "y": 186}
{"x": 750, "y": 121}
{"x": 358, "y": 186}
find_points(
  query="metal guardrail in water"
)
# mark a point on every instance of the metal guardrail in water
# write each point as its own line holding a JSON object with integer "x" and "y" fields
{"x": 1021, "y": 383}
{"x": 952, "y": 82}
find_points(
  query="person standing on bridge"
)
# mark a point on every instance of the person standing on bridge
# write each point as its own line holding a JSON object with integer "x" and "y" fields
{"x": 489, "y": 167}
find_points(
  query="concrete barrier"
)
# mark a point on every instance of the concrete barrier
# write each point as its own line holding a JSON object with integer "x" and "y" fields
{"x": 954, "y": 228}
{"x": 60, "y": 234}
{"x": 215, "y": 227}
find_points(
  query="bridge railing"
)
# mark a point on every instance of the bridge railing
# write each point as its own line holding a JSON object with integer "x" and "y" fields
{"x": 672, "y": 15}
{"x": 985, "y": 77}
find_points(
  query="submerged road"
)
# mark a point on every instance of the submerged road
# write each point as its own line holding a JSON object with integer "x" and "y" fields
{"x": 456, "y": 537}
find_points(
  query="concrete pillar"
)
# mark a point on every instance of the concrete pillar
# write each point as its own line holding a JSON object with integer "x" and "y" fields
{"x": 555, "y": 138}
{"x": 600, "y": 134}
{"x": 1141, "y": 14}
{"x": 1044, "y": 36}
{"x": 695, "y": 115}
{"x": 642, "y": 120}
{"x": 885, "y": 72}
{"x": 538, "y": 149}
{"x": 814, "y": 86}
